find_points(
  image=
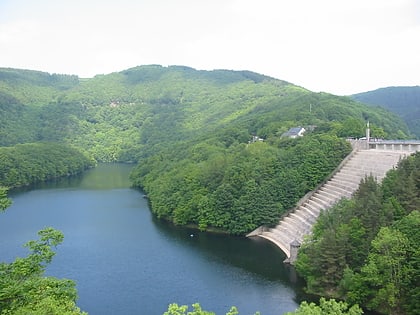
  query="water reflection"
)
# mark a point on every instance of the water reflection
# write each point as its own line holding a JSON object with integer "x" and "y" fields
{"x": 125, "y": 260}
{"x": 103, "y": 176}
{"x": 254, "y": 255}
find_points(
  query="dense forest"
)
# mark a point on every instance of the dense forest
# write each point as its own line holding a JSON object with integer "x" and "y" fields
{"x": 25, "y": 164}
{"x": 191, "y": 134}
{"x": 210, "y": 152}
{"x": 239, "y": 187}
{"x": 366, "y": 250}
{"x": 132, "y": 114}
{"x": 402, "y": 100}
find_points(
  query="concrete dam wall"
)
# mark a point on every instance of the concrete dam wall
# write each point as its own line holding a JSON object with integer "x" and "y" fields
{"x": 289, "y": 233}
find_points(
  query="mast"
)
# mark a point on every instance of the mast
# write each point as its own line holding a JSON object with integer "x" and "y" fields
{"x": 367, "y": 132}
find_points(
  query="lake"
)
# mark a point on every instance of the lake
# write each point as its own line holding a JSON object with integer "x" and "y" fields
{"x": 125, "y": 261}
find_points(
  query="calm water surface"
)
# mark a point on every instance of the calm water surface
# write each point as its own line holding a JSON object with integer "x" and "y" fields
{"x": 126, "y": 262}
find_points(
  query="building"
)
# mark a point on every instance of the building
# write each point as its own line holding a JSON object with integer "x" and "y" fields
{"x": 294, "y": 132}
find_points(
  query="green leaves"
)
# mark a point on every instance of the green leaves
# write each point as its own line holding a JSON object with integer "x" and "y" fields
{"x": 25, "y": 290}
{"x": 175, "y": 309}
{"x": 385, "y": 270}
{"x": 327, "y": 307}
{"x": 5, "y": 202}
{"x": 236, "y": 188}
{"x": 122, "y": 116}
{"x": 41, "y": 251}
{"x": 366, "y": 250}
{"x": 30, "y": 163}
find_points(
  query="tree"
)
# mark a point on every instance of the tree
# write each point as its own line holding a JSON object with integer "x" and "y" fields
{"x": 352, "y": 127}
{"x": 175, "y": 309}
{"x": 368, "y": 206}
{"x": 4, "y": 201}
{"x": 331, "y": 260}
{"x": 25, "y": 290}
{"x": 23, "y": 287}
{"x": 410, "y": 227}
{"x": 384, "y": 273}
{"x": 326, "y": 307}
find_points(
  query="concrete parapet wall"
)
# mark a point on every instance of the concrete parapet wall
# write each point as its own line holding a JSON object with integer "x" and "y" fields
{"x": 402, "y": 145}
{"x": 358, "y": 144}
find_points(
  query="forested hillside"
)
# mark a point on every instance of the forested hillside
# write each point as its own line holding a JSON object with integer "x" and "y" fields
{"x": 238, "y": 187}
{"x": 29, "y": 163}
{"x": 190, "y": 131}
{"x": 402, "y": 100}
{"x": 366, "y": 250}
{"x": 134, "y": 113}
{"x": 208, "y": 145}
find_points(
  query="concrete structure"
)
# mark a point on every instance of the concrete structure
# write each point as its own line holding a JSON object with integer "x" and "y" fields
{"x": 381, "y": 156}
{"x": 294, "y": 132}
{"x": 402, "y": 145}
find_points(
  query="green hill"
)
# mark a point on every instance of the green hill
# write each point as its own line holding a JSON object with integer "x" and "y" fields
{"x": 116, "y": 117}
{"x": 402, "y": 100}
{"x": 208, "y": 146}
{"x": 191, "y": 133}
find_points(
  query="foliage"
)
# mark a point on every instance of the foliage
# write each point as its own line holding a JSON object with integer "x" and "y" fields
{"x": 240, "y": 187}
{"x": 25, "y": 290}
{"x": 34, "y": 87}
{"x": 383, "y": 274}
{"x": 191, "y": 133}
{"x": 366, "y": 250}
{"x": 175, "y": 309}
{"x": 326, "y": 307}
{"x": 30, "y": 163}
{"x": 135, "y": 113}
{"x": 4, "y": 201}
{"x": 23, "y": 287}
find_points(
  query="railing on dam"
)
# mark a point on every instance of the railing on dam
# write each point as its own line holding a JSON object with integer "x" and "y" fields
{"x": 387, "y": 145}
{"x": 394, "y": 145}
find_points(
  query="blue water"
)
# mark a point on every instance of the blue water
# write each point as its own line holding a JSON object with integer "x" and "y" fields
{"x": 124, "y": 261}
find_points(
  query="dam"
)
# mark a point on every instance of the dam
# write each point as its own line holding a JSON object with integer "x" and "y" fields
{"x": 368, "y": 158}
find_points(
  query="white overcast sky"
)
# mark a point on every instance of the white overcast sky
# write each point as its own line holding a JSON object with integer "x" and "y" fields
{"x": 336, "y": 46}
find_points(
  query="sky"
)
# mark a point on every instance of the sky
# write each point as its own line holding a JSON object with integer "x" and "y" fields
{"x": 336, "y": 46}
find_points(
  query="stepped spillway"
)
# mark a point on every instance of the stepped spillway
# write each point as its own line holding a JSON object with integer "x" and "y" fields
{"x": 293, "y": 227}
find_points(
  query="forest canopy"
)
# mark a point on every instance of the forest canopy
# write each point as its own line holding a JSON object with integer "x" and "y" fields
{"x": 125, "y": 116}
{"x": 366, "y": 250}
{"x": 210, "y": 153}
{"x": 192, "y": 134}
{"x": 30, "y": 163}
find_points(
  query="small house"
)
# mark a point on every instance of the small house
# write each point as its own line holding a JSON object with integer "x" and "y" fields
{"x": 294, "y": 132}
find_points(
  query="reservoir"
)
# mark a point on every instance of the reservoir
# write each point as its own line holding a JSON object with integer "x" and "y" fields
{"x": 125, "y": 261}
